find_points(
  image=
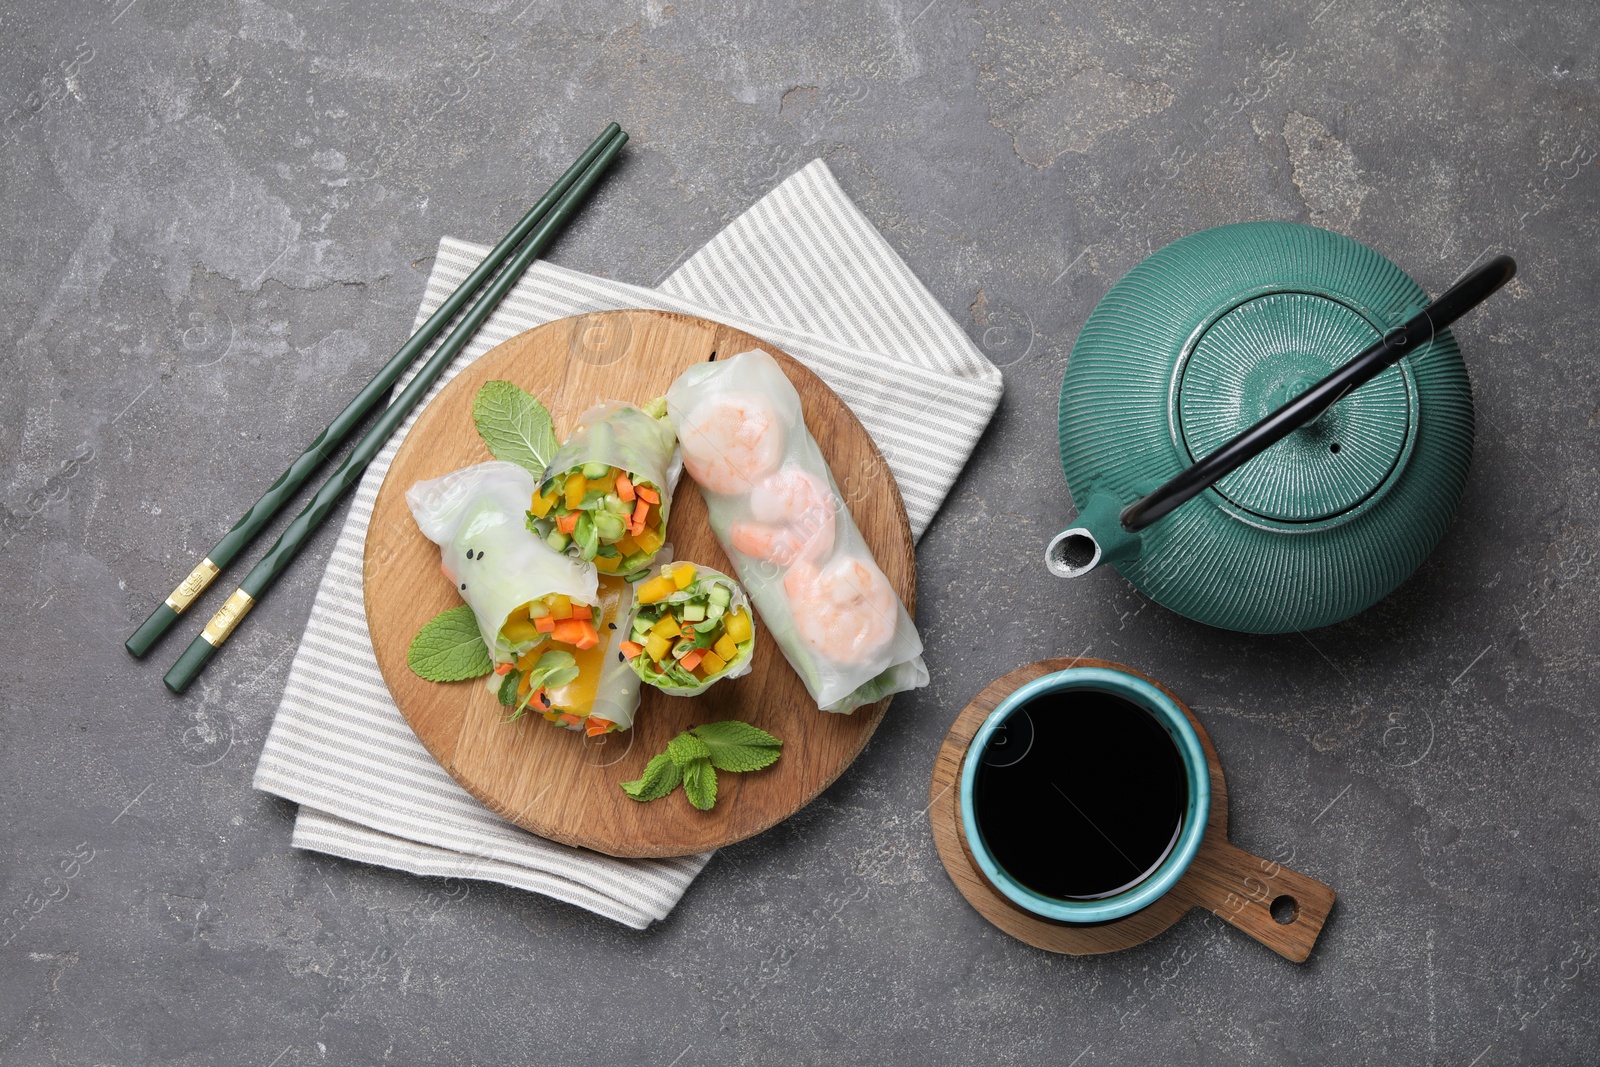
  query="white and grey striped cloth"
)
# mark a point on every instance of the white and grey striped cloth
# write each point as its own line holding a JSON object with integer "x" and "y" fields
{"x": 803, "y": 269}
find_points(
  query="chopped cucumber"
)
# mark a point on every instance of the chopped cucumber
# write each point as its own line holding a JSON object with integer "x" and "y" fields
{"x": 714, "y": 611}
{"x": 634, "y": 562}
{"x": 693, "y": 612}
{"x": 636, "y": 576}
{"x": 641, "y": 625}
{"x": 558, "y": 540}
{"x": 616, "y": 505}
{"x": 609, "y": 526}
{"x": 596, "y": 470}
{"x": 720, "y": 595}
{"x": 707, "y": 626}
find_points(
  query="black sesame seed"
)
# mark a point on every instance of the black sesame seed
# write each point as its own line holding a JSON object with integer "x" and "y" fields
{"x": 612, "y": 625}
{"x": 621, "y": 658}
{"x": 463, "y": 585}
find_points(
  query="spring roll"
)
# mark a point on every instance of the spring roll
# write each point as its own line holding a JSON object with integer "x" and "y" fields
{"x": 691, "y": 627}
{"x": 776, "y": 510}
{"x": 546, "y": 618}
{"x": 607, "y": 491}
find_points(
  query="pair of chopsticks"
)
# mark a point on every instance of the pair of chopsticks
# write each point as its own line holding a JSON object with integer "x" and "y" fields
{"x": 538, "y": 228}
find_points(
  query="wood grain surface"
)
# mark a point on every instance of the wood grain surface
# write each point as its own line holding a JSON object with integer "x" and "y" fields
{"x": 558, "y": 783}
{"x": 1238, "y": 887}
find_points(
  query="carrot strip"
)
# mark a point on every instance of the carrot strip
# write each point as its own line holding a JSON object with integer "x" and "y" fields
{"x": 647, "y": 493}
{"x": 594, "y": 726}
{"x": 569, "y": 718}
{"x": 567, "y": 523}
{"x": 692, "y": 660}
{"x": 631, "y": 648}
{"x": 503, "y": 669}
{"x": 582, "y": 611}
{"x": 625, "y": 488}
{"x": 640, "y": 510}
{"x": 544, "y": 624}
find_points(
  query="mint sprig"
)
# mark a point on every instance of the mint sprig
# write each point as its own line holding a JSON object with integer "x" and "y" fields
{"x": 693, "y": 758}
{"x": 449, "y": 648}
{"x": 515, "y": 426}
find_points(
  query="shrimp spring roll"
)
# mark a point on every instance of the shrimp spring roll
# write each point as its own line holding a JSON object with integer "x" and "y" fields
{"x": 606, "y": 493}
{"x": 776, "y": 509}
{"x": 541, "y": 614}
{"x": 691, "y": 627}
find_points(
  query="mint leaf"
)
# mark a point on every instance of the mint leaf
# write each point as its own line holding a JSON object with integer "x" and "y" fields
{"x": 515, "y": 426}
{"x": 661, "y": 776}
{"x": 686, "y": 748}
{"x": 508, "y": 688}
{"x": 449, "y": 648}
{"x": 700, "y": 783}
{"x": 738, "y": 746}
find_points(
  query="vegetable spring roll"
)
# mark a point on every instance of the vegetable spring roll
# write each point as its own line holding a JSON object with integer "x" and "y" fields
{"x": 691, "y": 627}
{"x": 541, "y": 614}
{"x": 776, "y": 510}
{"x": 606, "y": 493}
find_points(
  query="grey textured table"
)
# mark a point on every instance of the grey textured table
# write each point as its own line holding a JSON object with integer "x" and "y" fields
{"x": 218, "y": 218}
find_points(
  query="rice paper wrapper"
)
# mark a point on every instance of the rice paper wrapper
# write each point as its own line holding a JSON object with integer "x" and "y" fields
{"x": 777, "y": 511}
{"x": 477, "y": 517}
{"x": 622, "y": 436}
{"x": 738, "y": 598}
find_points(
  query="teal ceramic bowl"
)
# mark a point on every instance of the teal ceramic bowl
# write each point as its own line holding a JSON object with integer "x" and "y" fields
{"x": 1171, "y": 717}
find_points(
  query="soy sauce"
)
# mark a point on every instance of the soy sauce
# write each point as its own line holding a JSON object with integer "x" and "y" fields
{"x": 1080, "y": 794}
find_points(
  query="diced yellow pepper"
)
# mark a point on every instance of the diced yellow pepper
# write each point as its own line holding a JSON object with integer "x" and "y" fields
{"x": 656, "y": 589}
{"x": 666, "y": 626}
{"x": 607, "y": 564}
{"x": 682, "y": 575}
{"x": 542, "y": 504}
{"x": 649, "y": 540}
{"x": 712, "y": 663}
{"x": 560, "y": 606}
{"x": 726, "y": 648}
{"x": 518, "y": 630}
{"x": 737, "y": 626}
{"x": 656, "y": 646}
{"x": 537, "y": 609}
{"x": 573, "y": 491}
{"x": 627, "y": 546}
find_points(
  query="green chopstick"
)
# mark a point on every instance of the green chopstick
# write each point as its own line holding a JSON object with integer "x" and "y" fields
{"x": 283, "y": 490}
{"x": 277, "y": 560}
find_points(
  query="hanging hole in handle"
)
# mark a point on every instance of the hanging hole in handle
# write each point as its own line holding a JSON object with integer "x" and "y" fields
{"x": 1285, "y": 909}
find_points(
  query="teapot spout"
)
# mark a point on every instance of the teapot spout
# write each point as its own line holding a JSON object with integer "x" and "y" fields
{"x": 1098, "y": 538}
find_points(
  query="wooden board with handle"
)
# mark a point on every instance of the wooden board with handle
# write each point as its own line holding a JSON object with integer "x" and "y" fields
{"x": 558, "y": 783}
{"x": 1282, "y": 909}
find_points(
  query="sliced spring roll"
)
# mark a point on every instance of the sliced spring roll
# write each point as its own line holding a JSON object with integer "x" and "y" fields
{"x": 541, "y": 614}
{"x": 607, "y": 491}
{"x": 776, "y": 510}
{"x": 691, "y": 627}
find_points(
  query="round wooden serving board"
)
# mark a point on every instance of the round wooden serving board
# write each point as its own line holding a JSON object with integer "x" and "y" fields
{"x": 1238, "y": 887}
{"x": 558, "y": 783}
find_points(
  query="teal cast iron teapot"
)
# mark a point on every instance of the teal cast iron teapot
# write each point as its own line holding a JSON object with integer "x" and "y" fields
{"x": 1230, "y": 457}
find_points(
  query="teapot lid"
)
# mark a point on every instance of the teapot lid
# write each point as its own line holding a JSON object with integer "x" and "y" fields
{"x": 1257, "y": 356}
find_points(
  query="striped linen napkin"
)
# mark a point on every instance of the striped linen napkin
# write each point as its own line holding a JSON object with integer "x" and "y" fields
{"x": 803, "y": 269}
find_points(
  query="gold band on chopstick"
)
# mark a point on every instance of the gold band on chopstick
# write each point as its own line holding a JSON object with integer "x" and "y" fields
{"x": 227, "y": 617}
{"x": 193, "y": 585}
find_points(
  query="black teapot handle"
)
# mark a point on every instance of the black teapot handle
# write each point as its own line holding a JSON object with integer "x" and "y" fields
{"x": 1453, "y": 303}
